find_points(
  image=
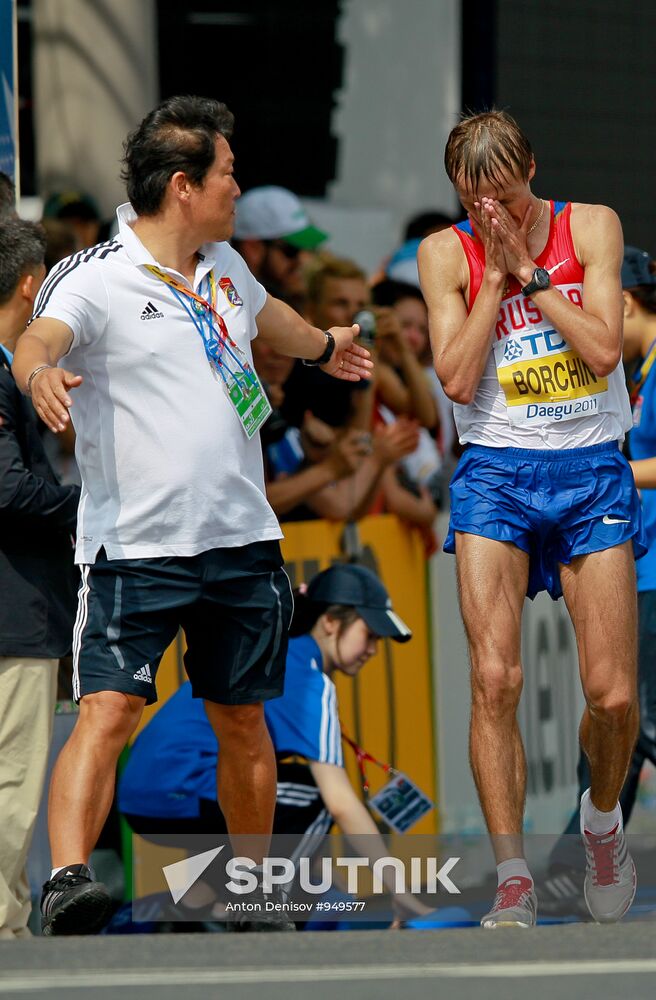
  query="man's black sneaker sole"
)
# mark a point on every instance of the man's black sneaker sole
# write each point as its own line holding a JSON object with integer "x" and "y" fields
{"x": 85, "y": 912}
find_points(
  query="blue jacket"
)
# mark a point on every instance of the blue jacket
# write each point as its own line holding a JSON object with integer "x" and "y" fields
{"x": 172, "y": 764}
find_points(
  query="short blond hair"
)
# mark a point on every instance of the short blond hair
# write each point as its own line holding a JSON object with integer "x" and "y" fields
{"x": 331, "y": 267}
{"x": 487, "y": 145}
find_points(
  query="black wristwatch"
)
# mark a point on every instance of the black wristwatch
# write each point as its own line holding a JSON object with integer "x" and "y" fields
{"x": 327, "y": 354}
{"x": 538, "y": 282}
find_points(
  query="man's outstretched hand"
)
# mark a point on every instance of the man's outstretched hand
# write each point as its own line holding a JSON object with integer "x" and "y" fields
{"x": 349, "y": 362}
{"x": 50, "y": 396}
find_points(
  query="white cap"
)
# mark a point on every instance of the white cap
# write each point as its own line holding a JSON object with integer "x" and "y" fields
{"x": 274, "y": 213}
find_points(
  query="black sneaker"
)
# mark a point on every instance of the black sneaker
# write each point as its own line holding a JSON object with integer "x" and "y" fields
{"x": 263, "y": 919}
{"x": 561, "y": 893}
{"x": 72, "y": 903}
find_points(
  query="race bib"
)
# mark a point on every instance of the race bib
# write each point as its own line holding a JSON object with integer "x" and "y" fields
{"x": 542, "y": 378}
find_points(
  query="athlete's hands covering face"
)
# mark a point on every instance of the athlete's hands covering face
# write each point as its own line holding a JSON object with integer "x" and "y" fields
{"x": 496, "y": 264}
{"x": 513, "y": 238}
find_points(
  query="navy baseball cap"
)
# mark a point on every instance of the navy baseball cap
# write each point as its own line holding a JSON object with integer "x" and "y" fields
{"x": 636, "y": 269}
{"x": 357, "y": 587}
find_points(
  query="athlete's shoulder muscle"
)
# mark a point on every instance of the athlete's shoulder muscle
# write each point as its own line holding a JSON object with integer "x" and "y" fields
{"x": 444, "y": 277}
{"x": 442, "y": 266}
{"x": 597, "y": 234}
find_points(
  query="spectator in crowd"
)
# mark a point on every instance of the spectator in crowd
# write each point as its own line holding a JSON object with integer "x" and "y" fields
{"x": 317, "y": 471}
{"x": 337, "y": 290}
{"x": 61, "y": 241}
{"x": 272, "y": 233}
{"x": 168, "y": 784}
{"x": 562, "y": 889}
{"x": 419, "y": 226}
{"x": 400, "y": 382}
{"x": 410, "y": 308}
{"x": 7, "y": 195}
{"x": 402, "y": 264}
{"x": 410, "y": 348}
{"x": 80, "y": 212}
{"x": 173, "y": 516}
{"x": 37, "y": 582}
{"x": 402, "y": 271}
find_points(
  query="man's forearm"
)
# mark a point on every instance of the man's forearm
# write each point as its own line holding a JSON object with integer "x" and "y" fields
{"x": 461, "y": 363}
{"x": 279, "y": 325}
{"x": 363, "y": 485}
{"x": 644, "y": 473}
{"x": 31, "y": 353}
{"x": 285, "y": 494}
{"x": 351, "y": 498}
{"x": 588, "y": 335}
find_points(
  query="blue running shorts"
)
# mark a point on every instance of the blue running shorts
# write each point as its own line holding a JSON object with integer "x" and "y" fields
{"x": 555, "y": 505}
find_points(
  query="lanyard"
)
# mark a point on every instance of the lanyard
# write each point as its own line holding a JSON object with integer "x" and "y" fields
{"x": 362, "y": 756}
{"x": 203, "y": 313}
{"x": 640, "y": 377}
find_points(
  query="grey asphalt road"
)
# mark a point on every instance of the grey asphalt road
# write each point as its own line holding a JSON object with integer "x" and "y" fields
{"x": 577, "y": 962}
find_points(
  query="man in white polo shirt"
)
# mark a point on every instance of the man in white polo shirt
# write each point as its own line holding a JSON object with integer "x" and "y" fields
{"x": 154, "y": 330}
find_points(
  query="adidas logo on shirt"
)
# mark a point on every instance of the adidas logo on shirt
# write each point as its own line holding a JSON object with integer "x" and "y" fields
{"x": 144, "y": 674}
{"x": 151, "y": 312}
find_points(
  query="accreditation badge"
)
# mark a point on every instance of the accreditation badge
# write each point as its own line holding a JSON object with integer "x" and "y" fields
{"x": 247, "y": 396}
{"x": 242, "y": 387}
{"x": 543, "y": 380}
{"x": 400, "y": 803}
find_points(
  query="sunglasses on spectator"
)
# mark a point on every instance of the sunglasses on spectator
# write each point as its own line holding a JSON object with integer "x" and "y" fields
{"x": 288, "y": 251}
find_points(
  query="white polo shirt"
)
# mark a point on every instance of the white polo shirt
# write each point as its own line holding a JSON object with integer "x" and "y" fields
{"x": 166, "y": 467}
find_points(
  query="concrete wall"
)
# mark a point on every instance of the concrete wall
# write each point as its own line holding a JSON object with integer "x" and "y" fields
{"x": 400, "y": 99}
{"x": 95, "y": 76}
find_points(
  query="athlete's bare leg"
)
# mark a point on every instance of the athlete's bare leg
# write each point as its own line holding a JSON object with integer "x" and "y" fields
{"x": 600, "y": 592}
{"x": 246, "y": 775}
{"x": 492, "y": 579}
{"x": 82, "y": 785}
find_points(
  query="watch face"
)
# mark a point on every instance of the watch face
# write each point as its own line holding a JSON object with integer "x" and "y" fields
{"x": 541, "y": 277}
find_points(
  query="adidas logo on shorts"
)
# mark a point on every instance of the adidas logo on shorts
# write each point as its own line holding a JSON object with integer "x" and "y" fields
{"x": 144, "y": 674}
{"x": 151, "y": 312}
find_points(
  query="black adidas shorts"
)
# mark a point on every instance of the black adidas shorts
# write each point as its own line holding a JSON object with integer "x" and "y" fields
{"x": 234, "y": 605}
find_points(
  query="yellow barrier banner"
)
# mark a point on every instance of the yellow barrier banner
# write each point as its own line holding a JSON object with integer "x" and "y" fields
{"x": 387, "y": 708}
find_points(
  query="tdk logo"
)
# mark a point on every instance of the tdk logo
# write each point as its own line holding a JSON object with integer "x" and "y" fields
{"x": 152, "y": 312}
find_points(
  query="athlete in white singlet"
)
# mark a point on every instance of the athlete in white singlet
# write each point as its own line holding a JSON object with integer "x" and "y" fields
{"x": 525, "y": 310}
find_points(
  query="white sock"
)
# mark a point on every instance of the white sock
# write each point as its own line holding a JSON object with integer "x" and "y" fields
{"x": 513, "y": 868}
{"x": 596, "y": 821}
{"x": 64, "y": 868}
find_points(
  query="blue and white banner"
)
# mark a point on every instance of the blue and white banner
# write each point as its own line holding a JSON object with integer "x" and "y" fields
{"x": 8, "y": 122}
